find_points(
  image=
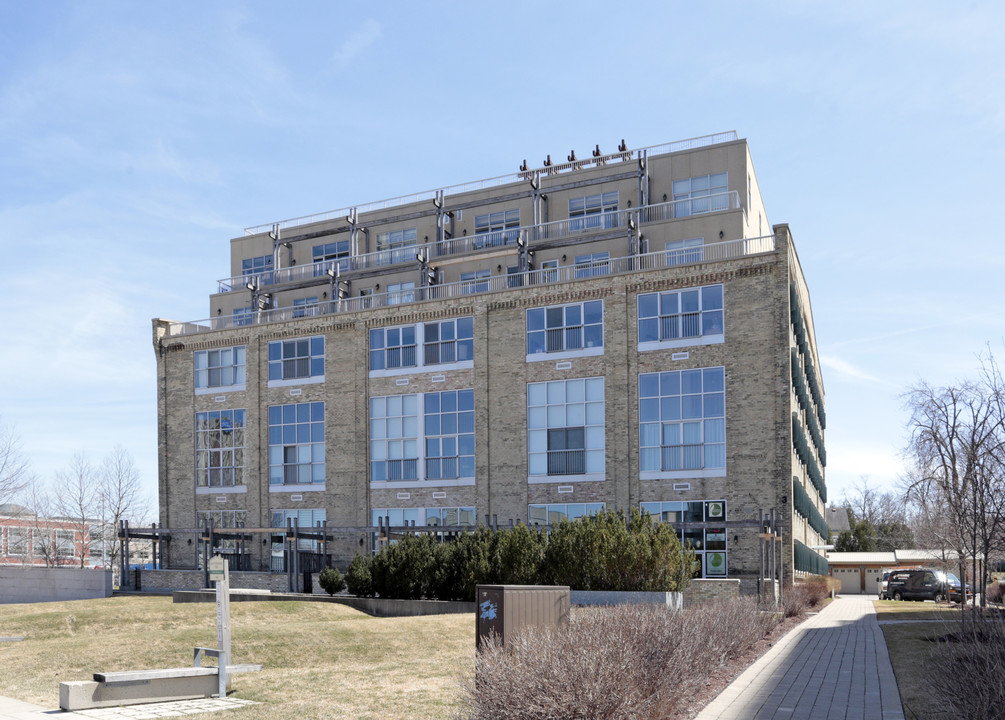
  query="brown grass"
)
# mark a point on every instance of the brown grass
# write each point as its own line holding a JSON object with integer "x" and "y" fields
{"x": 319, "y": 660}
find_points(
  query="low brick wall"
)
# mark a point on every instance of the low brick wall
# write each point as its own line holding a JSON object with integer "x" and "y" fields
{"x": 701, "y": 590}
{"x": 35, "y": 584}
{"x": 169, "y": 580}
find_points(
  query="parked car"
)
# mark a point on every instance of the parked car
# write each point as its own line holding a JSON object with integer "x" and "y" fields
{"x": 917, "y": 585}
{"x": 953, "y": 586}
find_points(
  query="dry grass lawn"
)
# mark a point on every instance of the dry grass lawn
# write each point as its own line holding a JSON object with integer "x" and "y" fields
{"x": 910, "y": 645}
{"x": 320, "y": 660}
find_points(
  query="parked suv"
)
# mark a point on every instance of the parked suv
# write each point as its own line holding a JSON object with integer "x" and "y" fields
{"x": 917, "y": 585}
{"x": 953, "y": 587}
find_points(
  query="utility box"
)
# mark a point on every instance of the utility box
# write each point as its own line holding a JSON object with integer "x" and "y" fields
{"x": 507, "y": 609}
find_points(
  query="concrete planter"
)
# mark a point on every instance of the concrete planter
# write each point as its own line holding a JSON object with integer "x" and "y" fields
{"x": 672, "y": 600}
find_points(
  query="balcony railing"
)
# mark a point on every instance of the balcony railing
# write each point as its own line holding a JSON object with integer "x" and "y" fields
{"x": 546, "y": 232}
{"x": 714, "y": 252}
{"x": 676, "y": 146}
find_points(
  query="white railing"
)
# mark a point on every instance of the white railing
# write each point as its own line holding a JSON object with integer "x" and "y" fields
{"x": 676, "y": 146}
{"x": 558, "y": 229}
{"x": 714, "y": 252}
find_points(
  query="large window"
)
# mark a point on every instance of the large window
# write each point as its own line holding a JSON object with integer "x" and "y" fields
{"x": 448, "y": 341}
{"x": 394, "y": 433}
{"x": 219, "y": 448}
{"x": 323, "y": 255}
{"x": 449, "y": 434}
{"x": 682, "y": 420}
{"x": 593, "y": 211}
{"x": 443, "y": 342}
{"x": 297, "y": 444}
{"x": 297, "y": 359}
{"x": 681, "y": 315}
{"x": 685, "y": 252}
{"x": 17, "y": 541}
{"x": 554, "y": 513}
{"x": 258, "y": 266}
{"x": 306, "y": 306}
{"x": 565, "y": 427}
{"x": 498, "y": 228}
{"x": 243, "y": 316}
{"x": 219, "y": 368}
{"x": 476, "y": 281}
{"x": 392, "y": 348}
{"x": 593, "y": 264}
{"x": 438, "y": 516}
{"x": 398, "y": 293}
{"x": 708, "y": 544}
{"x": 442, "y": 448}
{"x": 706, "y": 193}
{"x": 561, "y": 328}
{"x": 396, "y": 246}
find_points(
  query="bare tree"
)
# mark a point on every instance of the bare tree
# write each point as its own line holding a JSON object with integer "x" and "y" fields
{"x": 42, "y": 544}
{"x": 76, "y": 500}
{"x": 14, "y": 475}
{"x": 958, "y": 443}
{"x": 878, "y": 519}
{"x": 119, "y": 498}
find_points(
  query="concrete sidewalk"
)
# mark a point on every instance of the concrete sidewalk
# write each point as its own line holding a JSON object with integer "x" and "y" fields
{"x": 11, "y": 709}
{"x": 834, "y": 665}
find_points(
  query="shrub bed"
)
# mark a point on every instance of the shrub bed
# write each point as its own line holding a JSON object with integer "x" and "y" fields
{"x": 606, "y": 551}
{"x": 609, "y": 663}
{"x": 966, "y": 671}
{"x": 799, "y": 597}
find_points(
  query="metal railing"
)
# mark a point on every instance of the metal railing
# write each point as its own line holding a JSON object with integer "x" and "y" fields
{"x": 572, "y": 227}
{"x": 676, "y": 146}
{"x": 566, "y": 462}
{"x": 715, "y": 252}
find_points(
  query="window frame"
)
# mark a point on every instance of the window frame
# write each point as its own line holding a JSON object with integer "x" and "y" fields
{"x": 538, "y": 319}
{"x": 670, "y": 413}
{"x": 396, "y": 246}
{"x": 210, "y": 444}
{"x": 593, "y": 212}
{"x": 573, "y": 403}
{"x": 703, "y": 312}
{"x": 417, "y": 355}
{"x": 204, "y": 368}
{"x": 298, "y": 431}
{"x": 700, "y": 541}
{"x": 294, "y": 356}
{"x": 497, "y": 228}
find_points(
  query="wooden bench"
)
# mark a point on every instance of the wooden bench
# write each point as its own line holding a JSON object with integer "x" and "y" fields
{"x": 145, "y": 686}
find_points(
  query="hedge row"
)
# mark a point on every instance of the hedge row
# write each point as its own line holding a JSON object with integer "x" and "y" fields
{"x": 606, "y": 551}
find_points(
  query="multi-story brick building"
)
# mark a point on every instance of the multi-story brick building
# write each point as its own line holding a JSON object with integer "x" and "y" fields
{"x": 625, "y": 330}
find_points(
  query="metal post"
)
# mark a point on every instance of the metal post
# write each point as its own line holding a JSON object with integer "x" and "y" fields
{"x": 760, "y": 552}
{"x": 774, "y": 557}
{"x": 208, "y": 534}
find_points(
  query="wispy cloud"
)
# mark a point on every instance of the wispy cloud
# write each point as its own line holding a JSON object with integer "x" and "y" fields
{"x": 356, "y": 44}
{"x": 843, "y": 367}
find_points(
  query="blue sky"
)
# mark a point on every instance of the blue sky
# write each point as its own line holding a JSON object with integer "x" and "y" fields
{"x": 137, "y": 138}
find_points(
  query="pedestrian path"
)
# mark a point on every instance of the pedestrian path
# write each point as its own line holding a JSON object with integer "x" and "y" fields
{"x": 11, "y": 709}
{"x": 833, "y": 666}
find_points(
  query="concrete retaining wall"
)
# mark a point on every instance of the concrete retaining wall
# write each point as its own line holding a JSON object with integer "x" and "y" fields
{"x": 378, "y": 607}
{"x": 671, "y": 600}
{"x": 36, "y": 584}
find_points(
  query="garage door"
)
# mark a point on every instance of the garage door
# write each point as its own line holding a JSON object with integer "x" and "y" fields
{"x": 851, "y": 580}
{"x": 871, "y": 576}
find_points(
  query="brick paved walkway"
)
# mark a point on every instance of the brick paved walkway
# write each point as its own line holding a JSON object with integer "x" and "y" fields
{"x": 833, "y": 666}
